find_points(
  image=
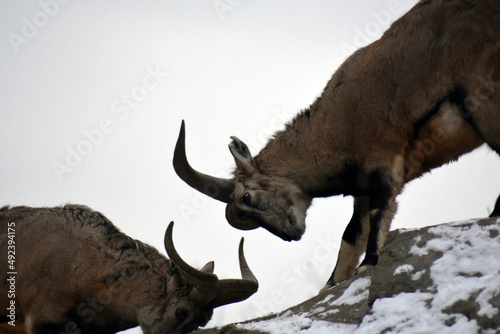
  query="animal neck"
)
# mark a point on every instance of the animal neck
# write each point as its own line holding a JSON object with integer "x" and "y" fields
{"x": 309, "y": 155}
{"x": 137, "y": 279}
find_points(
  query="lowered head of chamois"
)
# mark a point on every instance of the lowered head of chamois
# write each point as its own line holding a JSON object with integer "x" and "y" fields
{"x": 254, "y": 199}
{"x": 76, "y": 270}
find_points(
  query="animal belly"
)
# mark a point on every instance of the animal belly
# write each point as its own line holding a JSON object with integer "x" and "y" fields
{"x": 444, "y": 138}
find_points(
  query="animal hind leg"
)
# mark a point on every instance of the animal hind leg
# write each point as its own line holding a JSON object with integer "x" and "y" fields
{"x": 353, "y": 243}
{"x": 485, "y": 118}
{"x": 482, "y": 110}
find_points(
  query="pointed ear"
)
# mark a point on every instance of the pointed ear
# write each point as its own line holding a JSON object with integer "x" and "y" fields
{"x": 242, "y": 156}
{"x": 209, "y": 267}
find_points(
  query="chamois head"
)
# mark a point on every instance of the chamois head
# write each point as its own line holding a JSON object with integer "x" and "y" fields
{"x": 193, "y": 294}
{"x": 254, "y": 199}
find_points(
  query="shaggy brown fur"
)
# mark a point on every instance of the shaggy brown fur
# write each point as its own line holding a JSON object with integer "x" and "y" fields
{"x": 76, "y": 272}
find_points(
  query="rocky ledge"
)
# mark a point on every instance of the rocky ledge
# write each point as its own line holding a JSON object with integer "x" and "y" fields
{"x": 438, "y": 279}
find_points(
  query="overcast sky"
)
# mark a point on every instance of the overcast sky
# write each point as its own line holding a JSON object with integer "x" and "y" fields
{"x": 92, "y": 94}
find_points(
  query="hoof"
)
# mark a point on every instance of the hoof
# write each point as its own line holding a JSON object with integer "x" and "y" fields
{"x": 362, "y": 268}
{"x": 327, "y": 287}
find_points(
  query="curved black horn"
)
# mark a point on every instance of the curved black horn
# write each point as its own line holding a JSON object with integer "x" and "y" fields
{"x": 217, "y": 188}
{"x": 205, "y": 283}
{"x": 236, "y": 290}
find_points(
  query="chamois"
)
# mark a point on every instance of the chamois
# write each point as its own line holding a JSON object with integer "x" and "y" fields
{"x": 75, "y": 272}
{"x": 425, "y": 93}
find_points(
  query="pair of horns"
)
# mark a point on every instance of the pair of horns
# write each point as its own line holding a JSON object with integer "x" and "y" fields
{"x": 208, "y": 289}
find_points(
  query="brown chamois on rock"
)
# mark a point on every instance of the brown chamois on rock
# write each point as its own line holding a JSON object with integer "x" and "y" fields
{"x": 425, "y": 93}
{"x": 75, "y": 272}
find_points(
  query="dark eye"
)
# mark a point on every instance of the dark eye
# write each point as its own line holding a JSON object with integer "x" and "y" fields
{"x": 247, "y": 199}
{"x": 181, "y": 314}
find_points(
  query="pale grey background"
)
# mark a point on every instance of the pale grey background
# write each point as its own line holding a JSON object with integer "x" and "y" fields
{"x": 228, "y": 68}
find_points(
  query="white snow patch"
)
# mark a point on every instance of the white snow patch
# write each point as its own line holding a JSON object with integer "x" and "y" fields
{"x": 408, "y": 313}
{"x": 329, "y": 312}
{"x": 318, "y": 309}
{"x": 406, "y": 230}
{"x": 298, "y": 323}
{"x": 327, "y": 299}
{"x": 408, "y": 269}
{"x": 286, "y": 314}
{"x": 418, "y": 275}
{"x": 416, "y": 250}
{"x": 355, "y": 293}
{"x": 404, "y": 269}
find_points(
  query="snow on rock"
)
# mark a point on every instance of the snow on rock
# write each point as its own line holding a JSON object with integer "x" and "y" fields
{"x": 356, "y": 292}
{"x": 298, "y": 323}
{"x": 468, "y": 262}
{"x": 441, "y": 279}
{"x": 405, "y": 268}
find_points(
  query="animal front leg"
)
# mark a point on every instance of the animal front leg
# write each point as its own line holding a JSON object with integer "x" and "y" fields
{"x": 384, "y": 190}
{"x": 380, "y": 221}
{"x": 353, "y": 243}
